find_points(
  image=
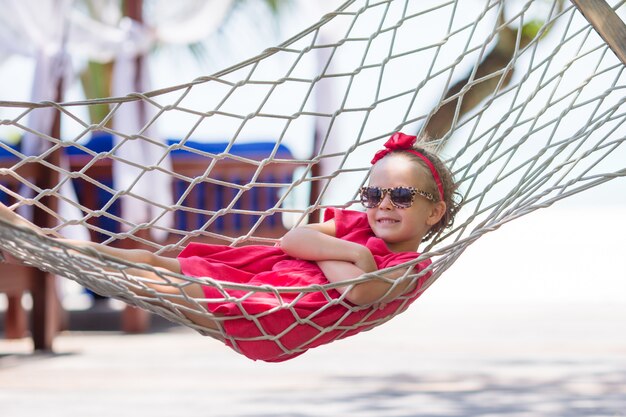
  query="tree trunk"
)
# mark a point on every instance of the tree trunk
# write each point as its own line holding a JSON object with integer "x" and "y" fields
{"x": 441, "y": 120}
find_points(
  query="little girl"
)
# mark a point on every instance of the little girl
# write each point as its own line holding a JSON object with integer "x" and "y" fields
{"x": 410, "y": 198}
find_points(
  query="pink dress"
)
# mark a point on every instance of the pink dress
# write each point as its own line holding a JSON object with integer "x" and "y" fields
{"x": 263, "y": 326}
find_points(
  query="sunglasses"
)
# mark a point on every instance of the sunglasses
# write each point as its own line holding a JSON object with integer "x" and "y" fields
{"x": 401, "y": 197}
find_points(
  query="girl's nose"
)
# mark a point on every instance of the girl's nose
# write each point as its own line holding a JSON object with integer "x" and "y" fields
{"x": 385, "y": 204}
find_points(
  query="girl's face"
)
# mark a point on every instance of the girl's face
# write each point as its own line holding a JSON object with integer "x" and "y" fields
{"x": 402, "y": 228}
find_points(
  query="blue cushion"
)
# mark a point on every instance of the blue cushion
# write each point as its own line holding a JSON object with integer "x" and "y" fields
{"x": 5, "y": 153}
{"x": 103, "y": 142}
{"x": 99, "y": 142}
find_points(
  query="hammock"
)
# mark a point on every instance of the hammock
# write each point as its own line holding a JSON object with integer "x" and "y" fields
{"x": 523, "y": 99}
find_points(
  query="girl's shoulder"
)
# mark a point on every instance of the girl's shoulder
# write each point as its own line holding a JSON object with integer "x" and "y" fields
{"x": 347, "y": 221}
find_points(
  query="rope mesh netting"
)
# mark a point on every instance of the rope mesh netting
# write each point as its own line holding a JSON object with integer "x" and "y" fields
{"x": 523, "y": 100}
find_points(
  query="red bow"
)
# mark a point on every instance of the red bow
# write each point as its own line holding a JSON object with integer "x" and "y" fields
{"x": 402, "y": 142}
{"x": 398, "y": 141}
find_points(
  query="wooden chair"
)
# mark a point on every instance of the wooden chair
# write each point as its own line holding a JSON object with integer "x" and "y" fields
{"x": 206, "y": 194}
{"x": 209, "y": 193}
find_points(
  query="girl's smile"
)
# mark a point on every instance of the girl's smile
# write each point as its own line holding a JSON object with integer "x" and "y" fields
{"x": 387, "y": 220}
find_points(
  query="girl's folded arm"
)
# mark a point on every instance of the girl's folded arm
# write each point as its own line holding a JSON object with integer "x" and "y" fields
{"x": 317, "y": 242}
{"x": 371, "y": 291}
{"x": 342, "y": 260}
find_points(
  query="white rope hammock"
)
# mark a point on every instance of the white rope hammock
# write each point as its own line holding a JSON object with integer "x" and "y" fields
{"x": 551, "y": 125}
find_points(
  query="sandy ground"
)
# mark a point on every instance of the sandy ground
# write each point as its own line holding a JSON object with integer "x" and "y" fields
{"x": 435, "y": 360}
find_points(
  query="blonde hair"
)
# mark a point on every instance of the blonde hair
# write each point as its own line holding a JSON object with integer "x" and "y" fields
{"x": 451, "y": 196}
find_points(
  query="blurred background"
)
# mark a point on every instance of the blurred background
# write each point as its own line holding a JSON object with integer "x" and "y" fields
{"x": 191, "y": 39}
{"x": 550, "y": 284}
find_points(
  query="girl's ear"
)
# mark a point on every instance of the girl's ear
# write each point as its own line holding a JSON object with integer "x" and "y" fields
{"x": 436, "y": 213}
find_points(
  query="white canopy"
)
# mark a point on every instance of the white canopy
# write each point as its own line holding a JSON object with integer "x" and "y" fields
{"x": 53, "y": 31}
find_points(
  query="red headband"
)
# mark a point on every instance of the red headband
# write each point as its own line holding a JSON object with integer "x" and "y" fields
{"x": 401, "y": 142}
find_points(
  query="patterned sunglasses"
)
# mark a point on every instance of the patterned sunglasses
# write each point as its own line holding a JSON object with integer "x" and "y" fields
{"x": 401, "y": 197}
